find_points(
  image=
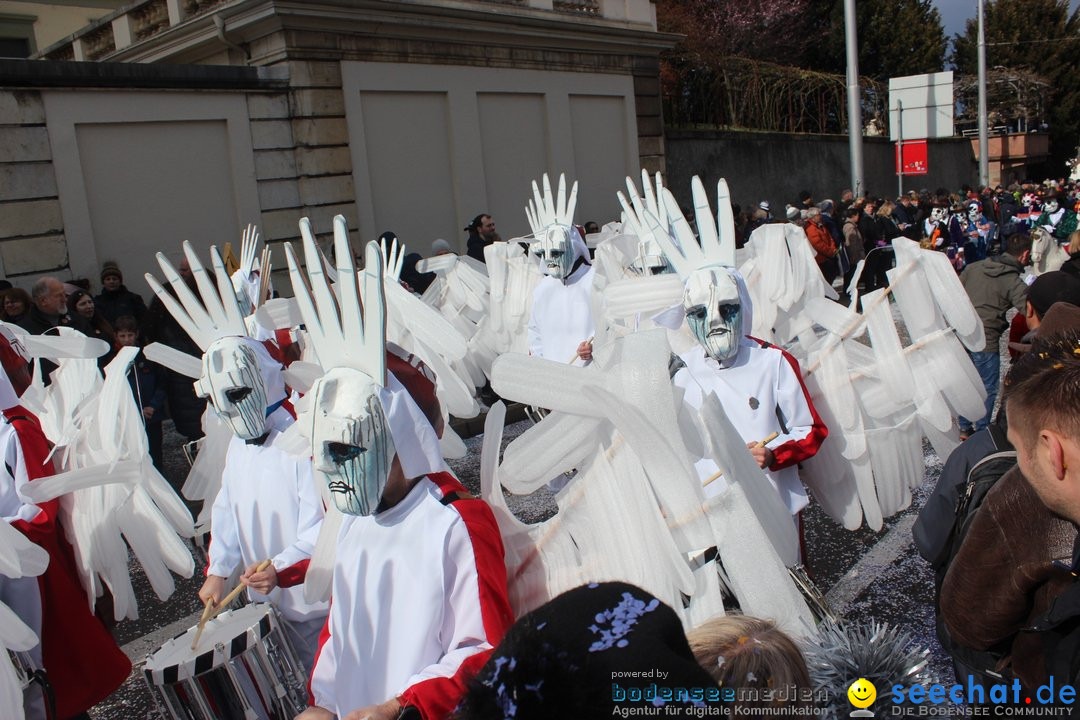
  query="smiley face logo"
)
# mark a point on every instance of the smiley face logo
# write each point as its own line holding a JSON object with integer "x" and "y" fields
{"x": 862, "y": 693}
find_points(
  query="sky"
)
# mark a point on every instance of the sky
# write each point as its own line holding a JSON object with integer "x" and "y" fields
{"x": 955, "y": 12}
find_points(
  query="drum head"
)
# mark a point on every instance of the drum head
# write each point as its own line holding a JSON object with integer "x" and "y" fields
{"x": 229, "y": 634}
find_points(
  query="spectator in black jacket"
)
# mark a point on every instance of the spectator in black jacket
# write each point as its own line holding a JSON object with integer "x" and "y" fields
{"x": 481, "y": 234}
{"x": 116, "y": 300}
{"x": 49, "y": 307}
{"x": 185, "y": 407}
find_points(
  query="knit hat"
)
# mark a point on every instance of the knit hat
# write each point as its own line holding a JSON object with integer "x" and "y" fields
{"x": 764, "y": 205}
{"x": 793, "y": 213}
{"x": 111, "y": 268}
{"x": 1052, "y": 287}
{"x": 588, "y": 653}
{"x": 440, "y": 246}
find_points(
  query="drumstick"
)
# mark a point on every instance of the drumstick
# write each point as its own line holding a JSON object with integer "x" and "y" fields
{"x": 202, "y": 622}
{"x": 574, "y": 359}
{"x": 235, "y": 591}
{"x": 760, "y": 444}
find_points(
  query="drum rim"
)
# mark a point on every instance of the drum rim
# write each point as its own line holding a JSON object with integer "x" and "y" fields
{"x": 216, "y": 655}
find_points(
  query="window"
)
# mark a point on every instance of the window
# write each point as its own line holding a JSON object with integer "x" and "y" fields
{"x": 17, "y": 36}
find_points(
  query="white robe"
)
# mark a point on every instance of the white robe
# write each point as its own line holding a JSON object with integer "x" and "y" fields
{"x": 753, "y": 390}
{"x": 268, "y": 507}
{"x": 561, "y": 315}
{"x": 414, "y": 597}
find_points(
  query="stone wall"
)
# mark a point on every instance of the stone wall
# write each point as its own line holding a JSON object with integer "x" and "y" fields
{"x": 777, "y": 166}
{"x": 31, "y": 225}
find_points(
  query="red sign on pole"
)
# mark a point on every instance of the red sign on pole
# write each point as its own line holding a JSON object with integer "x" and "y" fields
{"x": 911, "y": 157}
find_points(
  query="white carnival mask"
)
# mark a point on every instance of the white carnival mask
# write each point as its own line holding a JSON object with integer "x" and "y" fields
{"x": 714, "y": 311}
{"x": 555, "y": 250}
{"x": 1028, "y": 200}
{"x": 650, "y": 259}
{"x": 352, "y": 446}
{"x": 233, "y": 383}
{"x": 937, "y": 214}
{"x": 1051, "y": 206}
{"x": 974, "y": 211}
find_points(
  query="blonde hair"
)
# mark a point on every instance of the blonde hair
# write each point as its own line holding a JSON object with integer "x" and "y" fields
{"x": 740, "y": 651}
{"x": 886, "y": 209}
{"x": 1074, "y": 242}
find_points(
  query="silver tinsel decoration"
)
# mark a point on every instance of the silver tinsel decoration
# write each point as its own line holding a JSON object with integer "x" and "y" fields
{"x": 843, "y": 653}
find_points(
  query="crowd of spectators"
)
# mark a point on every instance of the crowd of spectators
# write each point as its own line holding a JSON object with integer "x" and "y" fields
{"x": 968, "y": 225}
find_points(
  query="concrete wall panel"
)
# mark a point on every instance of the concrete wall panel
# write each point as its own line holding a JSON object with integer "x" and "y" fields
{"x": 410, "y": 163}
{"x": 516, "y": 149}
{"x": 141, "y": 171}
{"x": 145, "y": 188}
{"x": 501, "y": 129}
{"x": 601, "y": 138}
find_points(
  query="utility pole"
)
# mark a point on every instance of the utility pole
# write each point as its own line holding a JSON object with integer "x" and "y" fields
{"x": 899, "y": 148}
{"x": 854, "y": 99}
{"x": 984, "y": 135}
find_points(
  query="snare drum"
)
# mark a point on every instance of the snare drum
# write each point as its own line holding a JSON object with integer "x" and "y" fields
{"x": 244, "y": 668}
{"x": 38, "y": 702}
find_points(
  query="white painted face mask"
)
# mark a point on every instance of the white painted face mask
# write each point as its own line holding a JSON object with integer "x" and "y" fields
{"x": 650, "y": 259}
{"x": 234, "y": 385}
{"x": 937, "y": 214}
{"x": 555, "y": 250}
{"x": 1051, "y": 206}
{"x": 351, "y": 441}
{"x": 714, "y": 312}
{"x": 974, "y": 212}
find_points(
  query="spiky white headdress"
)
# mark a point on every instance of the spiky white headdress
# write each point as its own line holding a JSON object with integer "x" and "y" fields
{"x": 355, "y": 336}
{"x": 717, "y": 235}
{"x": 211, "y": 315}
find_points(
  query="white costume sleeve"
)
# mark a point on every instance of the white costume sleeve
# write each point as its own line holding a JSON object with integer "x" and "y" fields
{"x": 805, "y": 430}
{"x": 462, "y": 629}
{"x": 324, "y": 672}
{"x": 308, "y": 521}
{"x": 536, "y": 347}
{"x": 224, "y": 553}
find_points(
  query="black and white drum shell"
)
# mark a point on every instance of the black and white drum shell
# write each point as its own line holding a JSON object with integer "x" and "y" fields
{"x": 244, "y": 667}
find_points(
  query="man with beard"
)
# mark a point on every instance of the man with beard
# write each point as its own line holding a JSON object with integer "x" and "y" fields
{"x": 481, "y": 234}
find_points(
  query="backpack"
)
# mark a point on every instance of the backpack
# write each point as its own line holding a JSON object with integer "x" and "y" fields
{"x": 980, "y": 479}
{"x": 982, "y": 476}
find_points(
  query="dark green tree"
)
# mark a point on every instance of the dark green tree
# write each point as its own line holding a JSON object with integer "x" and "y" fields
{"x": 1038, "y": 36}
{"x": 896, "y": 37}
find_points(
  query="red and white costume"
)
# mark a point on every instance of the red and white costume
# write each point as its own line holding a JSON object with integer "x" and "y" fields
{"x": 419, "y": 600}
{"x": 83, "y": 663}
{"x": 762, "y": 392}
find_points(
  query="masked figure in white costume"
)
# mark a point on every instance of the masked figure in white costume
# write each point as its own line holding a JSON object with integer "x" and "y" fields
{"x": 268, "y": 506}
{"x": 759, "y": 384}
{"x": 419, "y": 584}
{"x": 560, "y": 322}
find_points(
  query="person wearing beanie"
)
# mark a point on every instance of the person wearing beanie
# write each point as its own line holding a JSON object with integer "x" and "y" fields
{"x": 440, "y": 247}
{"x": 1046, "y": 290}
{"x": 590, "y": 653}
{"x": 115, "y": 300}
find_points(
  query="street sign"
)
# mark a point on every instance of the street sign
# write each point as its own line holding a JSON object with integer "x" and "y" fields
{"x": 921, "y": 106}
{"x": 911, "y": 157}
